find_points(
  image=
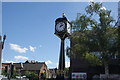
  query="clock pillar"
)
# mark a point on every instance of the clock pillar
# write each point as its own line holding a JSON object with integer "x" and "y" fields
{"x": 62, "y": 56}
{"x": 61, "y": 65}
{"x": 62, "y": 34}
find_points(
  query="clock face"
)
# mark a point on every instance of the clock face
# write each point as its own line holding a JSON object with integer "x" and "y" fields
{"x": 60, "y": 26}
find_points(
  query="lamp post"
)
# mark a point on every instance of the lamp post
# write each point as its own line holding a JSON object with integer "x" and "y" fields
{"x": 1, "y": 47}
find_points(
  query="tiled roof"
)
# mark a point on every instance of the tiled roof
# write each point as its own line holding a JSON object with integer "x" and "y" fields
{"x": 32, "y": 66}
{"x": 29, "y": 66}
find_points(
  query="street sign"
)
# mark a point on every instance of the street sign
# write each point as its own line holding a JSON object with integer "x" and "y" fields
{"x": 79, "y": 75}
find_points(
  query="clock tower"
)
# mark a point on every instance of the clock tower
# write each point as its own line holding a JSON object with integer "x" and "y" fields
{"x": 61, "y": 32}
{"x": 61, "y": 27}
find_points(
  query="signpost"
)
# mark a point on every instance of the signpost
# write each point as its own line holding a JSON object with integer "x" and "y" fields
{"x": 1, "y": 47}
{"x": 0, "y": 57}
{"x": 79, "y": 76}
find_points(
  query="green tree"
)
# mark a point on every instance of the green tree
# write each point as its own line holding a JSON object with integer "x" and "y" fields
{"x": 31, "y": 75}
{"x": 4, "y": 73}
{"x": 92, "y": 59}
{"x": 12, "y": 76}
{"x": 93, "y": 36}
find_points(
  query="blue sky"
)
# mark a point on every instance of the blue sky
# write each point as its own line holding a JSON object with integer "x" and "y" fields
{"x": 59, "y": 0}
{"x": 29, "y": 27}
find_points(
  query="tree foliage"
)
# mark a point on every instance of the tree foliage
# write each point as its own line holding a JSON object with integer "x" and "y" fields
{"x": 92, "y": 59}
{"x": 15, "y": 73}
{"x": 93, "y": 34}
{"x": 31, "y": 75}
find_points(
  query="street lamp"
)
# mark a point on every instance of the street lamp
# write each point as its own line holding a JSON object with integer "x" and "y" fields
{"x": 1, "y": 47}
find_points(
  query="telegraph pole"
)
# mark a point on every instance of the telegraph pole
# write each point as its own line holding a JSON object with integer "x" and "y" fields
{"x": 1, "y": 47}
{"x": 0, "y": 55}
{"x": 118, "y": 24}
{"x": 0, "y": 39}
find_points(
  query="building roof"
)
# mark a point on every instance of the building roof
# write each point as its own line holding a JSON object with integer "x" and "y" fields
{"x": 32, "y": 66}
{"x": 28, "y": 65}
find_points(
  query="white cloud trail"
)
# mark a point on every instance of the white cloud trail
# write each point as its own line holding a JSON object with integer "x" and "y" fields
{"x": 32, "y": 48}
{"x": 18, "y": 48}
{"x": 21, "y": 58}
{"x": 48, "y": 62}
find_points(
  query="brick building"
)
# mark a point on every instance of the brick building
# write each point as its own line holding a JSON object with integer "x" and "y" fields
{"x": 32, "y": 66}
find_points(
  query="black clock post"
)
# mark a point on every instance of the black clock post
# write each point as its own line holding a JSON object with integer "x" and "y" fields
{"x": 61, "y": 32}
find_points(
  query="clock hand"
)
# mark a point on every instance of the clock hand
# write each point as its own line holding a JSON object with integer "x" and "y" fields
{"x": 61, "y": 25}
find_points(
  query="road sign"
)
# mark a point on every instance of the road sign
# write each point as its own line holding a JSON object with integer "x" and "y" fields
{"x": 79, "y": 75}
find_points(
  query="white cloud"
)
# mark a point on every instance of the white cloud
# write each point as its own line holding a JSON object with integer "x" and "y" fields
{"x": 32, "y": 48}
{"x": 48, "y": 62}
{"x": 9, "y": 61}
{"x": 2, "y": 60}
{"x": 67, "y": 64}
{"x": 21, "y": 58}
{"x": 18, "y": 48}
{"x": 103, "y": 8}
{"x": 91, "y": 0}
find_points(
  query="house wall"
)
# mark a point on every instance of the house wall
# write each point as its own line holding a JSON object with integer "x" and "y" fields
{"x": 33, "y": 67}
{"x": 44, "y": 70}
